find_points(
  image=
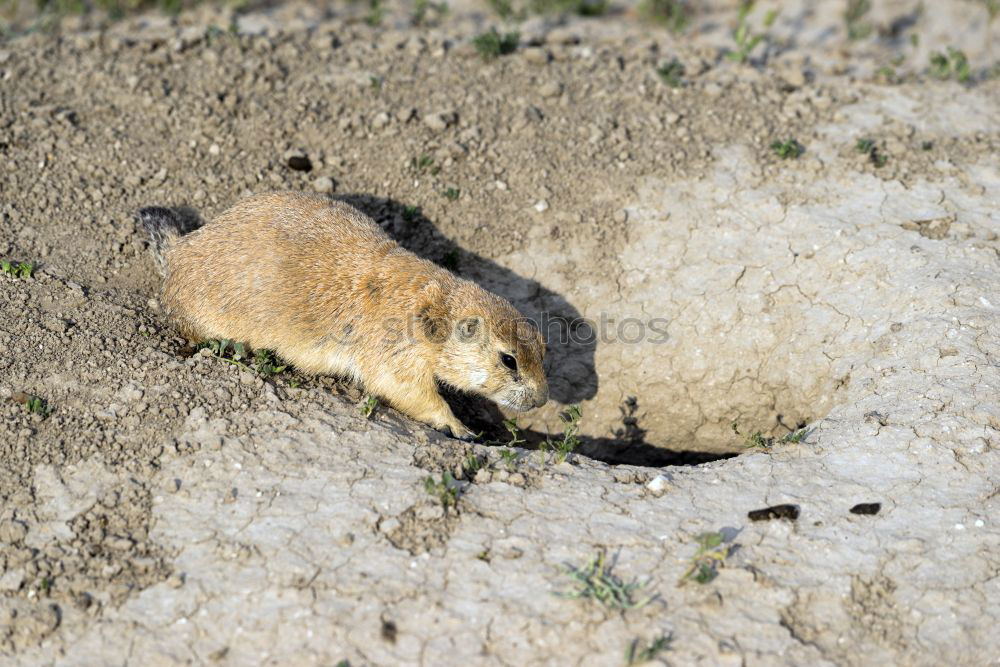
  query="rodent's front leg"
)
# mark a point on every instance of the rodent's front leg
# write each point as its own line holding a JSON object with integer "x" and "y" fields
{"x": 421, "y": 401}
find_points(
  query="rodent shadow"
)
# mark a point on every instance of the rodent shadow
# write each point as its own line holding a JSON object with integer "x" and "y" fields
{"x": 569, "y": 362}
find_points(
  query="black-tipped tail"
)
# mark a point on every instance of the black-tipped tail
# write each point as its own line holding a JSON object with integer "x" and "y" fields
{"x": 164, "y": 225}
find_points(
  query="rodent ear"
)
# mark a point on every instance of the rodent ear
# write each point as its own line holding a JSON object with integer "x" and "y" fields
{"x": 469, "y": 327}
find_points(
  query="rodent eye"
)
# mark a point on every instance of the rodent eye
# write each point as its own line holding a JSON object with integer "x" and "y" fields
{"x": 508, "y": 361}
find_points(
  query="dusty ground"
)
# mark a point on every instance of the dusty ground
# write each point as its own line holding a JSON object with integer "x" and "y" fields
{"x": 170, "y": 507}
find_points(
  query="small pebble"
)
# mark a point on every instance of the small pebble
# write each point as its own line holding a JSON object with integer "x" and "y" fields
{"x": 323, "y": 185}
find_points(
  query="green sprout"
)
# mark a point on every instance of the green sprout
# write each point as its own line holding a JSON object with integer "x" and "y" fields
{"x": 445, "y": 491}
{"x": 711, "y": 555}
{"x": 745, "y": 39}
{"x": 571, "y": 427}
{"x": 758, "y": 440}
{"x": 869, "y": 148}
{"x": 789, "y": 148}
{"x": 952, "y": 64}
{"x": 672, "y": 14}
{"x": 491, "y": 45}
{"x": 375, "y": 13}
{"x": 595, "y": 581}
{"x": 368, "y": 407}
{"x": 17, "y": 270}
{"x": 857, "y": 28}
{"x": 263, "y": 362}
{"x": 670, "y": 73}
{"x": 637, "y": 654}
{"x": 452, "y": 194}
{"x": 37, "y": 406}
{"x": 410, "y": 213}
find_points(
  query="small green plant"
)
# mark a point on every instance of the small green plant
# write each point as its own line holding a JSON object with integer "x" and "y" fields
{"x": 422, "y": 163}
{"x": 595, "y": 581}
{"x": 375, "y": 82}
{"x": 450, "y": 260}
{"x": 509, "y": 458}
{"x": 758, "y": 440}
{"x": 570, "y": 440}
{"x": 670, "y": 73}
{"x": 451, "y": 194}
{"x": 857, "y": 27}
{"x": 950, "y": 65}
{"x": 992, "y": 8}
{"x": 710, "y": 556}
{"x": 37, "y": 406}
{"x": 503, "y": 8}
{"x": 423, "y": 8}
{"x": 410, "y": 213}
{"x": 745, "y": 39}
{"x": 18, "y": 270}
{"x": 869, "y": 148}
{"x": 471, "y": 465}
{"x": 265, "y": 363}
{"x": 790, "y": 148}
{"x": 491, "y": 45}
{"x": 368, "y": 407}
{"x": 46, "y": 585}
{"x": 445, "y": 491}
{"x": 375, "y": 13}
{"x": 671, "y": 14}
{"x": 639, "y": 652}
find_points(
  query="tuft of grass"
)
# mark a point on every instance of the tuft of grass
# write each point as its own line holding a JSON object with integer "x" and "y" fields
{"x": 368, "y": 407}
{"x": 790, "y": 148}
{"x": 992, "y": 8}
{"x": 950, "y": 65}
{"x": 674, "y": 15}
{"x": 410, "y": 213}
{"x": 422, "y": 163}
{"x": 263, "y": 362}
{"x": 266, "y": 364}
{"x": 422, "y": 9}
{"x": 451, "y": 194}
{"x": 503, "y": 8}
{"x": 491, "y": 45}
{"x": 18, "y": 269}
{"x": 37, "y": 406}
{"x": 471, "y": 465}
{"x": 857, "y": 27}
{"x": 571, "y": 427}
{"x": 445, "y": 491}
{"x": 758, "y": 440}
{"x": 639, "y": 652}
{"x": 869, "y": 148}
{"x": 710, "y": 556}
{"x": 746, "y": 40}
{"x": 595, "y": 581}
{"x": 375, "y": 13}
{"x": 509, "y": 458}
{"x": 670, "y": 73}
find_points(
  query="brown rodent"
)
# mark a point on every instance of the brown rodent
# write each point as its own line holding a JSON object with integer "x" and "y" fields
{"x": 323, "y": 286}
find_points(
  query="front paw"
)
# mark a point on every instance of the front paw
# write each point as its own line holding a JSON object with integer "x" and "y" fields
{"x": 457, "y": 430}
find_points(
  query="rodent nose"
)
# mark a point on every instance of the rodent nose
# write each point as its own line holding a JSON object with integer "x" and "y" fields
{"x": 542, "y": 397}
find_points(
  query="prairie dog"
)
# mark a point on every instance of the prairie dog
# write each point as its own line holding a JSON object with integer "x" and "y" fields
{"x": 322, "y": 285}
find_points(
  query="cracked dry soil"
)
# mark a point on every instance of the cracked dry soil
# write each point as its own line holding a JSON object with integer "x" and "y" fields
{"x": 170, "y": 508}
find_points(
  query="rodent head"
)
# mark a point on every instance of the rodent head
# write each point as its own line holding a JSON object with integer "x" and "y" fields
{"x": 495, "y": 351}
